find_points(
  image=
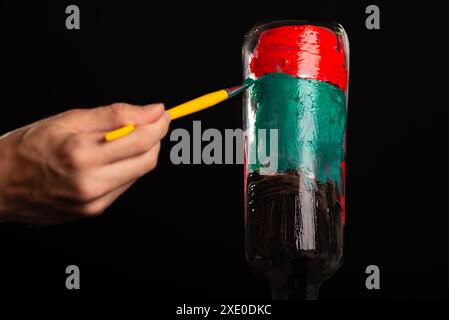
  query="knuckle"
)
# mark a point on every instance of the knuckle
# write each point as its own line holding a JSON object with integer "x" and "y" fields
{"x": 72, "y": 152}
{"x": 152, "y": 165}
{"x": 142, "y": 142}
{"x": 166, "y": 127}
{"x": 153, "y": 160}
{"x": 156, "y": 132}
{"x": 91, "y": 209}
{"x": 118, "y": 110}
{"x": 72, "y": 112}
{"x": 163, "y": 128}
{"x": 84, "y": 190}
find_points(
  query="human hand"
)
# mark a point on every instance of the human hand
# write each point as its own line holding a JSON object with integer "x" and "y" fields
{"x": 61, "y": 169}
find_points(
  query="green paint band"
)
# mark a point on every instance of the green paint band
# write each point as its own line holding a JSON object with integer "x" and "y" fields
{"x": 310, "y": 117}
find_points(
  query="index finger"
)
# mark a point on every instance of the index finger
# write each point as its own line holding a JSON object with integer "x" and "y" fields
{"x": 141, "y": 140}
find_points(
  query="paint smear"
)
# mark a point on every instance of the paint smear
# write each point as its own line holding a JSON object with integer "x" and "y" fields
{"x": 305, "y": 51}
{"x": 310, "y": 117}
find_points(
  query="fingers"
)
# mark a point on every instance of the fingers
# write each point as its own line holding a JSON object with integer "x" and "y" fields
{"x": 94, "y": 168}
{"x": 86, "y": 185}
{"x": 97, "y": 172}
{"x": 97, "y": 206}
{"x": 67, "y": 211}
{"x": 122, "y": 172}
{"x": 61, "y": 169}
{"x": 110, "y": 117}
{"x": 84, "y": 150}
{"x": 141, "y": 140}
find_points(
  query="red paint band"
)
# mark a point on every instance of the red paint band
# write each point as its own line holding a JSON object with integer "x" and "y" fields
{"x": 305, "y": 51}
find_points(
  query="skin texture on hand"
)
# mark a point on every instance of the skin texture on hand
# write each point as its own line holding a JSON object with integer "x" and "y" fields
{"x": 61, "y": 169}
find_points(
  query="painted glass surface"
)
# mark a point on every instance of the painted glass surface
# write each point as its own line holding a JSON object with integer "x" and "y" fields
{"x": 294, "y": 199}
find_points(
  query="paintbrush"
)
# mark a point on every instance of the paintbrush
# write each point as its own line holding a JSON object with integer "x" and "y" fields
{"x": 189, "y": 107}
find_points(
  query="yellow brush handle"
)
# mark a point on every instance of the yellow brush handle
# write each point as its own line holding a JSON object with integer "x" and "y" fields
{"x": 203, "y": 102}
{"x": 121, "y": 132}
{"x": 192, "y": 106}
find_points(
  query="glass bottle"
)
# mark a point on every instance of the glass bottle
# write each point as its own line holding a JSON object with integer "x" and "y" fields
{"x": 294, "y": 171}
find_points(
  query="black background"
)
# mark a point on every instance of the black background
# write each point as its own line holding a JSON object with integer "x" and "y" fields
{"x": 178, "y": 233}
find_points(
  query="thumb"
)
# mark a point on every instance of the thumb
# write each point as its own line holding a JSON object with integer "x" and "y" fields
{"x": 111, "y": 117}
